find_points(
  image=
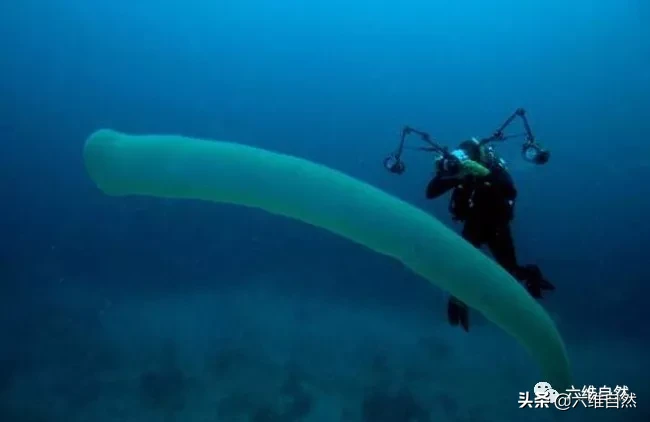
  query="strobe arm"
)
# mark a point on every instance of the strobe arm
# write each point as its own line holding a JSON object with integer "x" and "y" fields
{"x": 499, "y": 134}
{"x": 393, "y": 162}
{"x": 531, "y": 150}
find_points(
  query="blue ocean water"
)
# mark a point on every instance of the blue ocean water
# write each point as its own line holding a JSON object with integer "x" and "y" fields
{"x": 148, "y": 309}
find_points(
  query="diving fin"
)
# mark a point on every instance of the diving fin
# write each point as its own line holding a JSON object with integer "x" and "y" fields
{"x": 458, "y": 313}
{"x": 534, "y": 281}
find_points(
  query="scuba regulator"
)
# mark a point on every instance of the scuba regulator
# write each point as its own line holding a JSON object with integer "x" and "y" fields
{"x": 531, "y": 150}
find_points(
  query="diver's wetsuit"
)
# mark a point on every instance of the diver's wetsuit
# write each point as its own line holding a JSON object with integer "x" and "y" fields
{"x": 485, "y": 205}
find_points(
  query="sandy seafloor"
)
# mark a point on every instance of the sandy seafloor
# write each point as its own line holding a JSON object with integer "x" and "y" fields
{"x": 261, "y": 354}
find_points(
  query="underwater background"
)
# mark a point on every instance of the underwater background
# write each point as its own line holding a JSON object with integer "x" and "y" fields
{"x": 146, "y": 309}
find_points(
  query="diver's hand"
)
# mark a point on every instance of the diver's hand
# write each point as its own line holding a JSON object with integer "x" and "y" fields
{"x": 448, "y": 167}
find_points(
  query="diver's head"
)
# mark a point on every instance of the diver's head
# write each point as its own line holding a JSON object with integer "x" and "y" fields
{"x": 471, "y": 148}
{"x": 477, "y": 151}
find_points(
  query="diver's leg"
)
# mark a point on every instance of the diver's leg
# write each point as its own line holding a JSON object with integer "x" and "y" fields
{"x": 503, "y": 250}
{"x": 473, "y": 232}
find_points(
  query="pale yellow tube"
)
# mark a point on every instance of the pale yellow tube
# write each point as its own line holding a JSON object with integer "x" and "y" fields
{"x": 172, "y": 166}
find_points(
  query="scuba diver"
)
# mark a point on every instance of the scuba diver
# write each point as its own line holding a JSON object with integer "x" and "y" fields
{"x": 483, "y": 198}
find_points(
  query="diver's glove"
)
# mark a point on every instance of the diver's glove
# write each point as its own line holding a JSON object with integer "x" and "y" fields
{"x": 532, "y": 278}
{"x": 449, "y": 166}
